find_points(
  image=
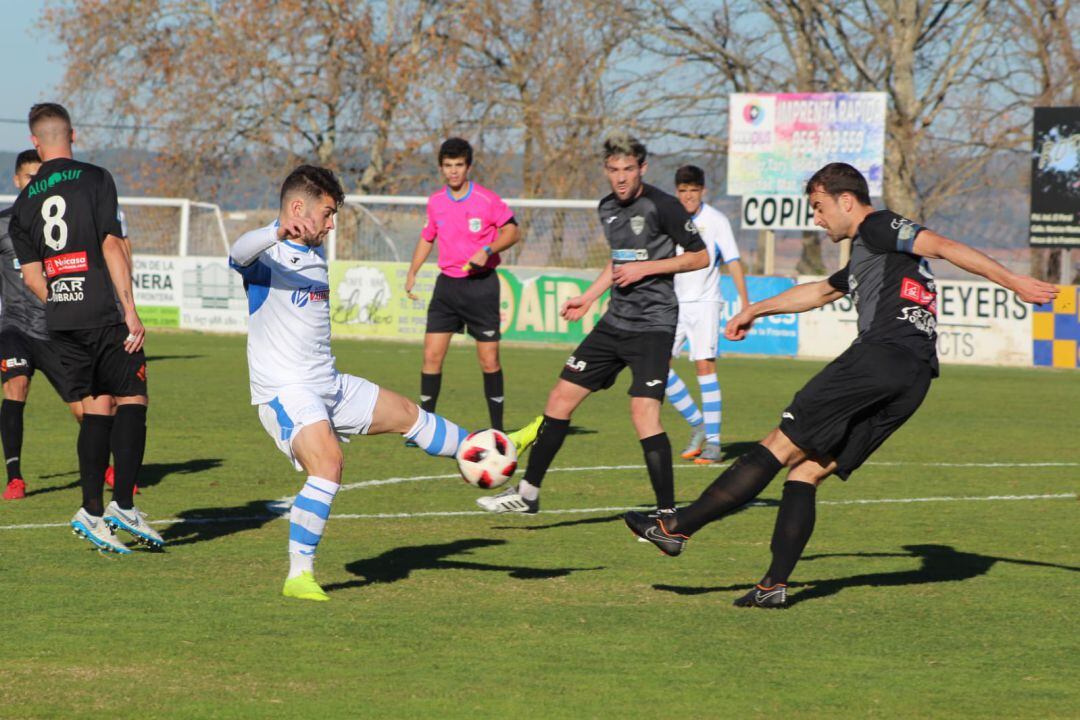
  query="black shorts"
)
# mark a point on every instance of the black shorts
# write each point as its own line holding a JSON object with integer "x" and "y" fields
{"x": 606, "y": 350}
{"x": 22, "y": 354}
{"x": 855, "y": 403}
{"x": 99, "y": 364}
{"x": 471, "y": 302}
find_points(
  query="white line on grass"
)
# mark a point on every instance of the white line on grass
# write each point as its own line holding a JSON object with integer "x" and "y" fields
{"x": 564, "y": 511}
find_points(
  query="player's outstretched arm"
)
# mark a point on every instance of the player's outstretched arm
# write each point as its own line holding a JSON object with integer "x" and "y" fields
{"x": 630, "y": 273}
{"x": 576, "y": 307}
{"x": 252, "y": 244}
{"x": 119, "y": 264}
{"x": 797, "y": 299}
{"x": 930, "y": 244}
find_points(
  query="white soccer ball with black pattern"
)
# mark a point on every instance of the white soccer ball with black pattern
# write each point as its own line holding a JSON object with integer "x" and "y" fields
{"x": 487, "y": 458}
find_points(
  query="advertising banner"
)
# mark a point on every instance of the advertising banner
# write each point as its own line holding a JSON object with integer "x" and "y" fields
{"x": 1056, "y": 330}
{"x": 367, "y": 299}
{"x": 774, "y": 335}
{"x": 777, "y": 141}
{"x": 156, "y": 282}
{"x": 979, "y": 323}
{"x": 212, "y": 295}
{"x": 1055, "y": 178}
{"x": 777, "y": 212}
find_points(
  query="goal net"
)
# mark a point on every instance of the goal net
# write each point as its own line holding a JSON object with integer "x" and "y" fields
{"x": 554, "y": 233}
{"x": 169, "y": 226}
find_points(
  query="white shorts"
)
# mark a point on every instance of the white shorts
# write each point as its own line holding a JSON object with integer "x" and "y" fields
{"x": 699, "y": 323}
{"x": 348, "y": 405}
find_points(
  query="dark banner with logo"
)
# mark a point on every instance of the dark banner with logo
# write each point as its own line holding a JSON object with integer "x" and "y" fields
{"x": 1055, "y": 178}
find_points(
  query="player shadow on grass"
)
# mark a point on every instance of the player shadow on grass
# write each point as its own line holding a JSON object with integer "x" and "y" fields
{"x": 766, "y": 502}
{"x": 732, "y": 450}
{"x": 204, "y": 524}
{"x": 154, "y": 358}
{"x": 150, "y": 475}
{"x": 940, "y": 563}
{"x": 399, "y": 564}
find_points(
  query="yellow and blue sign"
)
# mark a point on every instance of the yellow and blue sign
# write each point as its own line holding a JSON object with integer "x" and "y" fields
{"x": 1055, "y": 331}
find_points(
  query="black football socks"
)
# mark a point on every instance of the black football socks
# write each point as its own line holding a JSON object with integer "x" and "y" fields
{"x": 11, "y": 432}
{"x": 794, "y": 525}
{"x": 739, "y": 484}
{"x": 549, "y": 438}
{"x": 657, "y": 451}
{"x": 493, "y": 392}
{"x": 128, "y": 446}
{"x": 93, "y": 449}
{"x": 430, "y": 384}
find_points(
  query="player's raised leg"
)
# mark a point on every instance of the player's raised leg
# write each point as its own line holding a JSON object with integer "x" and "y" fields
{"x": 433, "y": 433}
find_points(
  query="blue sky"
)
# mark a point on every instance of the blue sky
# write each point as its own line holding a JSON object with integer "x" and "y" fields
{"x": 32, "y": 69}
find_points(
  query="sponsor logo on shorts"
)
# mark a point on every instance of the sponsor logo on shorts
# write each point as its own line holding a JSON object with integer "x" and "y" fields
{"x": 630, "y": 255}
{"x": 488, "y": 333}
{"x": 653, "y": 383}
{"x": 67, "y": 289}
{"x": 12, "y": 363}
{"x": 914, "y": 291}
{"x": 65, "y": 264}
{"x": 575, "y": 365}
{"x": 786, "y": 416}
{"x": 141, "y": 372}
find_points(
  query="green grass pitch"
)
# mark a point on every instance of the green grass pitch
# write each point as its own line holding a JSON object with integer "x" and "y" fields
{"x": 958, "y": 607}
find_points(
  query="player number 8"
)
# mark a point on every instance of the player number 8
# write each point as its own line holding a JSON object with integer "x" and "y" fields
{"x": 52, "y": 211}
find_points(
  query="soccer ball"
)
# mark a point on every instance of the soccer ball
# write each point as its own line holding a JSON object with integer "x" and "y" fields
{"x": 487, "y": 458}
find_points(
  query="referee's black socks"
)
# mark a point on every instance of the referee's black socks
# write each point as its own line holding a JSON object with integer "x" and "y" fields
{"x": 493, "y": 392}
{"x": 430, "y": 384}
{"x": 794, "y": 525}
{"x": 128, "y": 446}
{"x": 93, "y": 449}
{"x": 657, "y": 451}
{"x": 549, "y": 438}
{"x": 736, "y": 486}
{"x": 11, "y": 432}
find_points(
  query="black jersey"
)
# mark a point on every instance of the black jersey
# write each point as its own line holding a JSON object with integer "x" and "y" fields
{"x": 60, "y": 220}
{"x": 646, "y": 228}
{"x": 894, "y": 291}
{"x": 22, "y": 310}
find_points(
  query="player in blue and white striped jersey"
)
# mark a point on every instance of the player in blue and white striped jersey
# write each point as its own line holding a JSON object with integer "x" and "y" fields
{"x": 700, "y": 302}
{"x": 304, "y": 403}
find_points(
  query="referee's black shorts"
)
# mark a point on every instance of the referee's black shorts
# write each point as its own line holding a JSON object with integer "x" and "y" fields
{"x": 22, "y": 354}
{"x": 606, "y": 350}
{"x": 470, "y": 302}
{"x": 855, "y": 403}
{"x": 97, "y": 362}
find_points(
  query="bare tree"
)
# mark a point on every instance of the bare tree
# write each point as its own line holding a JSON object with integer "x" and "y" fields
{"x": 322, "y": 81}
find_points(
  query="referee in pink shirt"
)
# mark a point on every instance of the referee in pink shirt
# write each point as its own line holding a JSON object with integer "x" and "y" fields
{"x": 472, "y": 226}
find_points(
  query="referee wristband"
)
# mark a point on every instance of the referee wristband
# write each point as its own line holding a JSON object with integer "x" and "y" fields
{"x": 487, "y": 249}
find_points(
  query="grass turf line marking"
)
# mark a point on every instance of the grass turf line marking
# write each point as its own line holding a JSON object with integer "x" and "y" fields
{"x": 563, "y": 511}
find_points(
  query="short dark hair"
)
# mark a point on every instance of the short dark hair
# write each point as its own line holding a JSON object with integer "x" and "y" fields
{"x": 622, "y": 143}
{"x": 26, "y": 157}
{"x": 314, "y": 182}
{"x": 690, "y": 175}
{"x": 47, "y": 111}
{"x": 455, "y": 148}
{"x": 836, "y": 178}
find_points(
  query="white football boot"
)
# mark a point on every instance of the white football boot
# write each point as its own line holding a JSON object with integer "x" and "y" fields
{"x": 133, "y": 521}
{"x": 509, "y": 500}
{"x": 97, "y": 532}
